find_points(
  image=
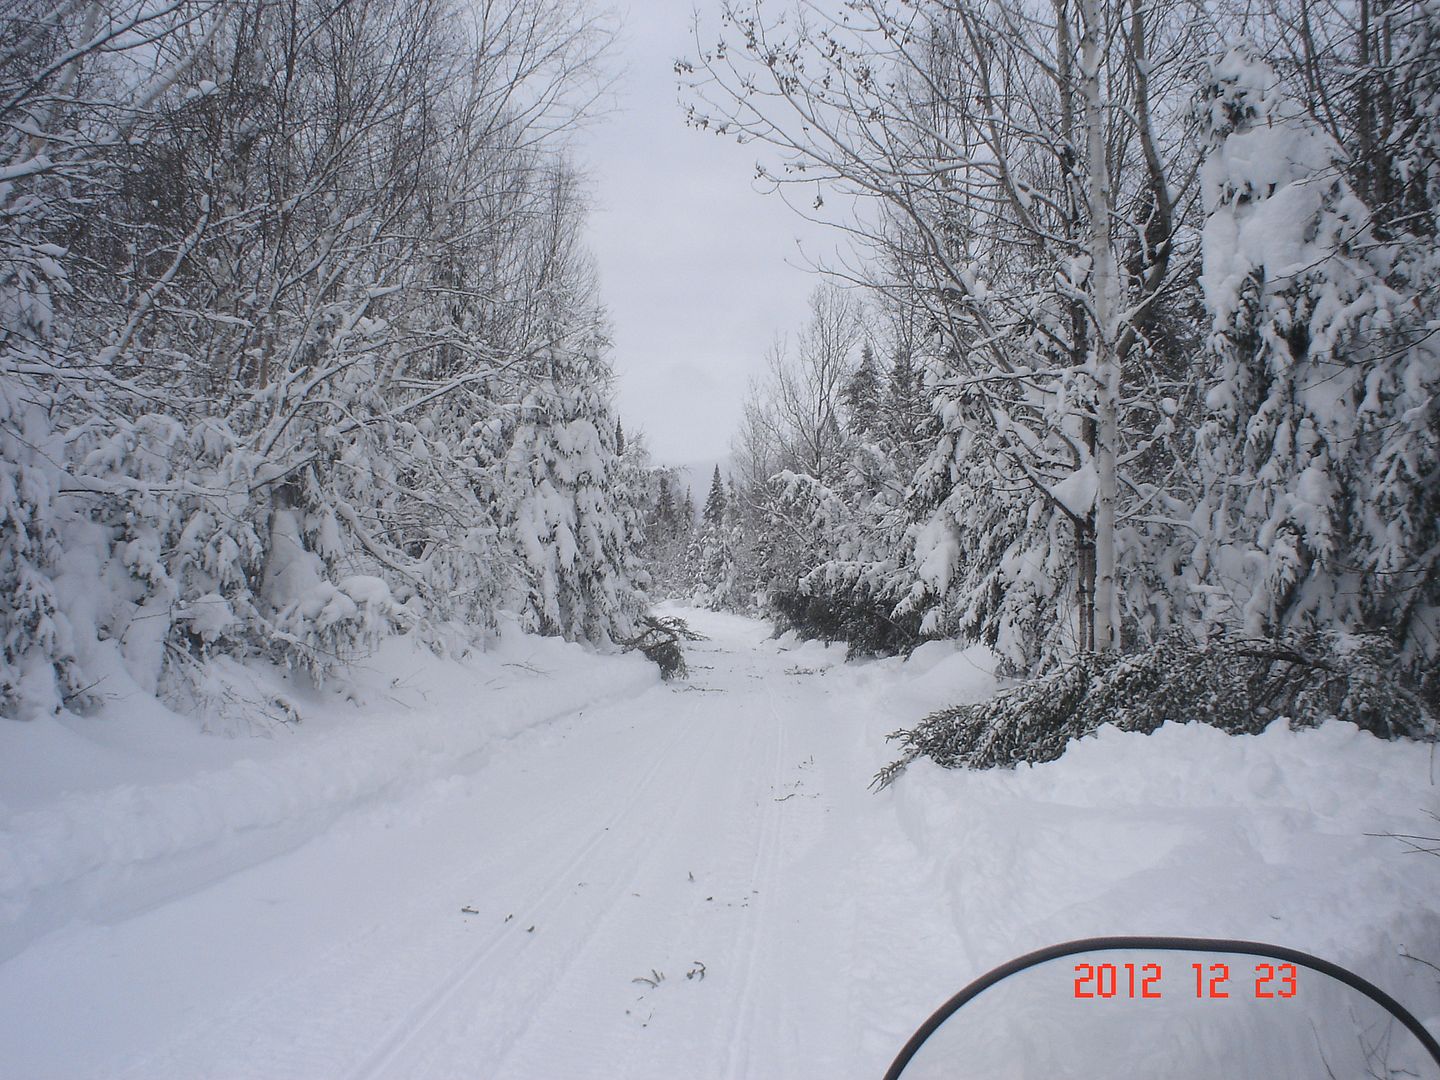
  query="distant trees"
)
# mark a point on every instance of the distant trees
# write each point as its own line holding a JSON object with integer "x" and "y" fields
{"x": 669, "y": 525}
{"x": 298, "y": 344}
{"x": 710, "y": 557}
{"x": 1168, "y": 308}
{"x": 826, "y": 437}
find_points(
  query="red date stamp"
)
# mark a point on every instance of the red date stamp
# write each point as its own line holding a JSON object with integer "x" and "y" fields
{"x": 1141, "y": 982}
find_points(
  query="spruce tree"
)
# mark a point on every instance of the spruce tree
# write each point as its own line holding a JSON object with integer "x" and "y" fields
{"x": 862, "y": 396}
{"x": 710, "y": 558}
{"x": 1321, "y": 508}
{"x": 714, "y": 513}
{"x": 568, "y": 523}
{"x": 39, "y": 671}
{"x": 664, "y": 523}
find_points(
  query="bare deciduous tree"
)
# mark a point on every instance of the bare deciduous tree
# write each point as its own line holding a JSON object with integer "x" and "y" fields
{"x": 1023, "y": 173}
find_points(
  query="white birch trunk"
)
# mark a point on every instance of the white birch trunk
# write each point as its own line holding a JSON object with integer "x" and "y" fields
{"x": 1105, "y": 370}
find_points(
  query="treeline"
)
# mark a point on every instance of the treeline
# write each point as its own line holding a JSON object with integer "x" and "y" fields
{"x": 693, "y": 556}
{"x": 299, "y": 345}
{"x": 1144, "y": 343}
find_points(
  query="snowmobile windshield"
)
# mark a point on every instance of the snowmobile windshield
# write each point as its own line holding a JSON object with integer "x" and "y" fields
{"x": 1179, "y": 1008}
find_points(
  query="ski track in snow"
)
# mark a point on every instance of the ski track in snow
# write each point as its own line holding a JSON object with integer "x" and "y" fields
{"x": 722, "y": 822}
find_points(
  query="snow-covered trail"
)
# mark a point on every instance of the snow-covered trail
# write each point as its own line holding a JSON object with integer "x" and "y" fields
{"x": 709, "y": 836}
{"x": 497, "y": 913}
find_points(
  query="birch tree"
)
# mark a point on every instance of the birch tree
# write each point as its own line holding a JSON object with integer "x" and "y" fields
{"x": 1021, "y": 173}
{"x": 278, "y": 280}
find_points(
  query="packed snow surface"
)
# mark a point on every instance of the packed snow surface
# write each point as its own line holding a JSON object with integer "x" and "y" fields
{"x": 540, "y": 863}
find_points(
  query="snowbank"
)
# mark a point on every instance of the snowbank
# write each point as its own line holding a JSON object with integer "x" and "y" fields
{"x": 1286, "y": 837}
{"x": 118, "y": 812}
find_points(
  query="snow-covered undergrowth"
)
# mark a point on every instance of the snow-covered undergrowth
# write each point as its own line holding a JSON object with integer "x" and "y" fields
{"x": 129, "y": 807}
{"x": 1240, "y": 687}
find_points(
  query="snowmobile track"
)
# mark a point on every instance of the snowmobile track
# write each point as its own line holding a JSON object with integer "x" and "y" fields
{"x": 413, "y": 1028}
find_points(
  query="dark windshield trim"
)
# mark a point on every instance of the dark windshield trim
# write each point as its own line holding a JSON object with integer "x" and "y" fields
{"x": 1205, "y": 945}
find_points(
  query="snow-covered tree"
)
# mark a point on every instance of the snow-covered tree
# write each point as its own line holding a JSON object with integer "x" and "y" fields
{"x": 568, "y": 522}
{"x": 39, "y": 668}
{"x": 1018, "y": 172}
{"x": 862, "y": 395}
{"x": 715, "y": 501}
{"x": 667, "y": 527}
{"x": 279, "y": 287}
{"x": 665, "y": 523}
{"x": 1322, "y": 447}
{"x": 711, "y": 558}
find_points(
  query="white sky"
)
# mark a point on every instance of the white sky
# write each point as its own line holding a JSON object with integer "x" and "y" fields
{"x": 698, "y": 269}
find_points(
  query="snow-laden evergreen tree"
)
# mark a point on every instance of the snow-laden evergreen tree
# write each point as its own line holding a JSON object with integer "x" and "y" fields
{"x": 1322, "y": 450}
{"x": 1404, "y": 527}
{"x": 715, "y": 501}
{"x": 665, "y": 522}
{"x": 667, "y": 528}
{"x": 1414, "y": 150}
{"x": 39, "y": 668}
{"x": 569, "y": 520}
{"x": 649, "y": 489}
{"x": 711, "y": 558}
{"x": 744, "y": 582}
{"x": 862, "y": 395}
{"x": 857, "y": 572}
{"x": 983, "y": 559}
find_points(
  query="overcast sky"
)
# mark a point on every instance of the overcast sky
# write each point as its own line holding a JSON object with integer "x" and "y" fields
{"x": 698, "y": 269}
